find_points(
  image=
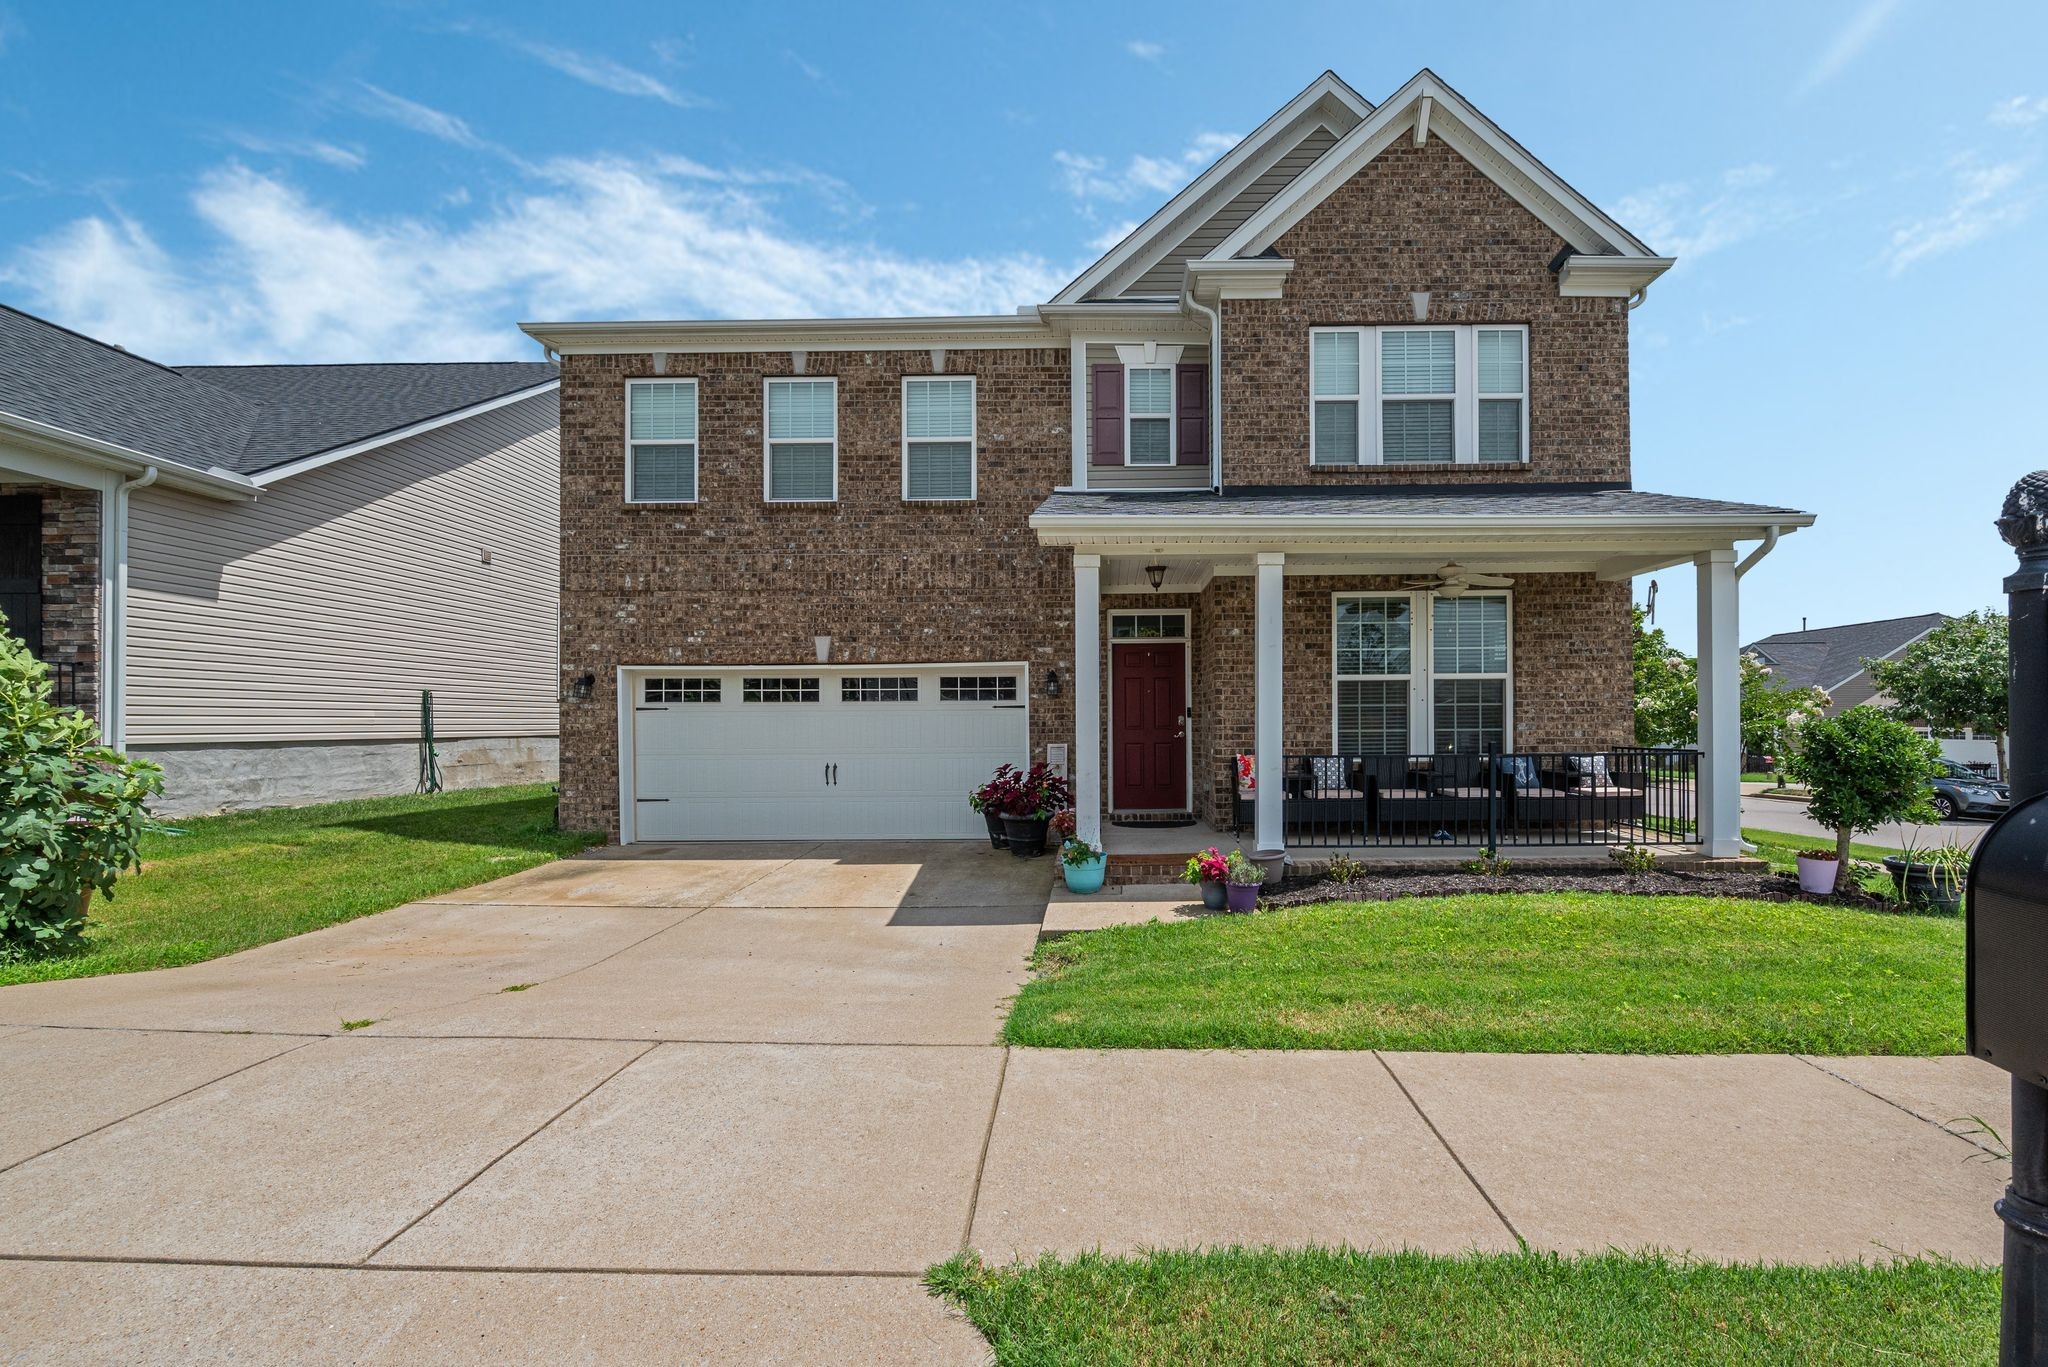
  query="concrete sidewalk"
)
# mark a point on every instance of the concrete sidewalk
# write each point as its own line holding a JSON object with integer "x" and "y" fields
{"x": 745, "y": 1097}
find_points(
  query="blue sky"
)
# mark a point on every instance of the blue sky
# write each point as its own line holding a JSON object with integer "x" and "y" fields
{"x": 1854, "y": 191}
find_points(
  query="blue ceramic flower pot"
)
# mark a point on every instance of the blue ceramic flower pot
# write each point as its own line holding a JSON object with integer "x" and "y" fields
{"x": 1086, "y": 877}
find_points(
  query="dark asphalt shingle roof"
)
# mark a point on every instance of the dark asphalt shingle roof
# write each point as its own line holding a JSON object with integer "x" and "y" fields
{"x": 1827, "y": 657}
{"x": 242, "y": 418}
{"x": 1531, "y": 500}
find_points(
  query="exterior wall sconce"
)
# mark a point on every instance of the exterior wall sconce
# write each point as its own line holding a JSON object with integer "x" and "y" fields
{"x": 1052, "y": 683}
{"x": 584, "y": 686}
{"x": 824, "y": 645}
{"x": 1157, "y": 574}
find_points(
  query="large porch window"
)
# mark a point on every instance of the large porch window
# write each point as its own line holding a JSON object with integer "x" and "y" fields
{"x": 1422, "y": 672}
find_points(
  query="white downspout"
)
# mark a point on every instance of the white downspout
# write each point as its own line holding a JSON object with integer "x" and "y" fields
{"x": 114, "y": 664}
{"x": 1770, "y": 544}
{"x": 1215, "y": 317}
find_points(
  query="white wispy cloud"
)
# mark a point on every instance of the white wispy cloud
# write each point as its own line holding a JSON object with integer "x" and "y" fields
{"x": 1983, "y": 200}
{"x": 313, "y": 149}
{"x": 1092, "y": 179}
{"x": 812, "y": 72}
{"x": 1691, "y": 219}
{"x": 380, "y": 103}
{"x": 1145, "y": 50}
{"x": 1113, "y": 234}
{"x": 604, "y": 73}
{"x": 2020, "y": 111}
{"x": 1848, "y": 43}
{"x": 281, "y": 276}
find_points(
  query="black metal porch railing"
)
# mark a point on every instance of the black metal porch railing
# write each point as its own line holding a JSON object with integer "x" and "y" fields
{"x": 1581, "y": 797}
{"x": 64, "y": 684}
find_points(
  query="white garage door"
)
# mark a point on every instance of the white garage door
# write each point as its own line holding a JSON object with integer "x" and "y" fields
{"x": 785, "y": 753}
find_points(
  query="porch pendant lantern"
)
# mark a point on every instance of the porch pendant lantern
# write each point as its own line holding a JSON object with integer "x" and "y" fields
{"x": 1157, "y": 574}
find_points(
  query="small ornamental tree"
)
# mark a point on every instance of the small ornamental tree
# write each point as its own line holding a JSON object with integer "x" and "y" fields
{"x": 1952, "y": 678}
{"x": 1771, "y": 711}
{"x": 1666, "y": 692}
{"x": 71, "y": 811}
{"x": 1864, "y": 769}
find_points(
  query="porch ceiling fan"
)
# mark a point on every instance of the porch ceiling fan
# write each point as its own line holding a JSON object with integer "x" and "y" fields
{"x": 1454, "y": 579}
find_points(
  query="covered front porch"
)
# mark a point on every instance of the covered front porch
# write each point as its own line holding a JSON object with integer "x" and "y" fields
{"x": 1394, "y": 669}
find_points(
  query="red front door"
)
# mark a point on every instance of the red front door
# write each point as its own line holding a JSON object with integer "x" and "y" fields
{"x": 1148, "y": 730}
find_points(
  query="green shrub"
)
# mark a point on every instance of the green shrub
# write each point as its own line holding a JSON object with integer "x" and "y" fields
{"x": 1863, "y": 769}
{"x": 1633, "y": 859}
{"x": 71, "y": 811}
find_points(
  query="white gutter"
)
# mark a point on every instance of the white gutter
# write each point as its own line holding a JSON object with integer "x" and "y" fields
{"x": 1241, "y": 525}
{"x": 105, "y": 455}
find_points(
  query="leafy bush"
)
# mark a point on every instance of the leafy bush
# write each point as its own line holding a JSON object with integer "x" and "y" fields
{"x": 1863, "y": 769}
{"x": 1207, "y": 867}
{"x": 1634, "y": 859}
{"x": 1242, "y": 872}
{"x": 1034, "y": 792}
{"x": 1489, "y": 864}
{"x": 71, "y": 811}
{"x": 1345, "y": 869}
{"x": 1077, "y": 852}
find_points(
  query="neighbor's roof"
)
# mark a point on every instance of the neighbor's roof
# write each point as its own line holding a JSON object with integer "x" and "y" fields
{"x": 241, "y": 419}
{"x": 1828, "y": 657}
{"x": 1415, "y": 501}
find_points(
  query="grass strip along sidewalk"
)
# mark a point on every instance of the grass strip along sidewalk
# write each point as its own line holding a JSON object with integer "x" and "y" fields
{"x": 1520, "y": 973}
{"x": 227, "y": 883}
{"x": 1325, "y": 1306}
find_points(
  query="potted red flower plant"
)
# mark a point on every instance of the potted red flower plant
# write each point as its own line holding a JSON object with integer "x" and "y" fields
{"x": 1025, "y": 800}
{"x": 1210, "y": 871}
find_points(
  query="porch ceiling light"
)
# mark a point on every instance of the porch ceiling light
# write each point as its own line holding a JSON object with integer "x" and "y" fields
{"x": 1157, "y": 574}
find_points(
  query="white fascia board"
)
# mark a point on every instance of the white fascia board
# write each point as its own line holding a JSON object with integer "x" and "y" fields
{"x": 968, "y": 333}
{"x": 61, "y": 442}
{"x": 1259, "y": 143}
{"x": 1609, "y": 277}
{"x": 1066, "y": 529}
{"x": 265, "y": 478}
{"x": 1459, "y": 123}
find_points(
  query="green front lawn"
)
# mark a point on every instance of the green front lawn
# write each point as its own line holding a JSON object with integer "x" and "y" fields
{"x": 1324, "y": 1306}
{"x": 1521, "y": 973}
{"x": 229, "y": 882}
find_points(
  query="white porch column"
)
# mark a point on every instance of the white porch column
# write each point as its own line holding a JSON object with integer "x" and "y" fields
{"x": 1720, "y": 684}
{"x": 1268, "y": 735}
{"x": 1087, "y": 766}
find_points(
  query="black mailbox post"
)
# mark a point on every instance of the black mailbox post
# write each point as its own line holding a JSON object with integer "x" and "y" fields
{"x": 2007, "y": 975}
{"x": 2008, "y": 934}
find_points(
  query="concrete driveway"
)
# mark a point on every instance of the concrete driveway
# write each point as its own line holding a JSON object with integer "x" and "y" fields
{"x": 726, "y": 1104}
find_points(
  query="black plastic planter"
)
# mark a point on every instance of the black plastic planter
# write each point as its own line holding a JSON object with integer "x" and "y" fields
{"x": 998, "y": 838}
{"x": 1026, "y": 835}
{"x": 1938, "y": 888}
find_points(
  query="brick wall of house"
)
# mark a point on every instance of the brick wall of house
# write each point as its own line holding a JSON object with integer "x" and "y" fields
{"x": 1423, "y": 218}
{"x": 1571, "y": 679}
{"x": 71, "y": 583}
{"x": 735, "y": 580}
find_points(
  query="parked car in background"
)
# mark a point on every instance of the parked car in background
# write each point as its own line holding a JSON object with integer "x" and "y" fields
{"x": 1960, "y": 791}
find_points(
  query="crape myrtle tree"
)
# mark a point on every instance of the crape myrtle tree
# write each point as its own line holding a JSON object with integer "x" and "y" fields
{"x": 1953, "y": 678}
{"x": 1864, "y": 768}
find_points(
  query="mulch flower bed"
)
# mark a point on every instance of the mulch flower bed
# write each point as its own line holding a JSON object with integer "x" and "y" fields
{"x": 1386, "y": 887}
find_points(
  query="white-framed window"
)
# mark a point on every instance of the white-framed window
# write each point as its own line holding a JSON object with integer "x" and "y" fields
{"x": 1427, "y": 394}
{"x": 938, "y": 438}
{"x": 661, "y": 441}
{"x": 1419, "y": 673}
{"x": 1148, "y": 415}
{"x": 772, "y": 689}
{"x": 1148, "y": 626}
{"x": 802, "y": 441}
{"x": 977, "y": 688}
{"x": 878, "y": 688}
{"x": 682, "y": 690}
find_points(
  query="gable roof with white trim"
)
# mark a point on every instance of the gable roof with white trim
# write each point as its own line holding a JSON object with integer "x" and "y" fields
{"x": 1327, "y": 107}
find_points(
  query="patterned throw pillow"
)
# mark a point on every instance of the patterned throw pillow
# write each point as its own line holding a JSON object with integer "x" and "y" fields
{"x": 1592, "y": 769}
{"x": 1331, "y": 771}
{"x": 1524, "y": 768}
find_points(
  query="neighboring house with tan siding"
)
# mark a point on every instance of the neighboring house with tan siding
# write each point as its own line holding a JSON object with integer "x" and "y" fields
{"x": 1322, "y": 473}
{"x": 251, "y": 573}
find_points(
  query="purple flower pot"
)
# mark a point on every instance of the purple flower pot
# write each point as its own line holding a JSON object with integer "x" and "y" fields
{"x": 1244, "y": 897}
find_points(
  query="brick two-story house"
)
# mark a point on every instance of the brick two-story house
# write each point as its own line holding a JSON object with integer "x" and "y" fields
{"x": 1326, "y": 463}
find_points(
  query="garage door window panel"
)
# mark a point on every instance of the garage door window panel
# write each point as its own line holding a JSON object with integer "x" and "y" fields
{"x": 682, "y": 690}
{"x": 873, "y": 688}
{"x": 778, "y": 689}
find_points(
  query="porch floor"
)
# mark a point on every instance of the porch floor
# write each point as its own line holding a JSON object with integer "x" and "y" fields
{"x": 1152, "y": 843}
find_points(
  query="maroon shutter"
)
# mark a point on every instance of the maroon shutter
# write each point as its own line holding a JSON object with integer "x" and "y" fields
{"x": 1191, "y": 404}
{"x": 1106, "y": 415}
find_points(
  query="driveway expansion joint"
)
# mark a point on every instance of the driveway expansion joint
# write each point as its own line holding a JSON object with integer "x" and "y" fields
{"x": 988, "y": 1135}
{"x": 476, "y": 1269}
{"x": 1880, "y": 1096}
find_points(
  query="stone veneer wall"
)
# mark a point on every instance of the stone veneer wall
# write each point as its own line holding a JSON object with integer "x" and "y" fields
{"x": 735, "y": 580}
{"x": 71, "y": 582}
{"x": 1424, "y": 218}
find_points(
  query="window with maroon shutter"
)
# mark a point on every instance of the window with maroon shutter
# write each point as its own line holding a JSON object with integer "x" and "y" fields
{"x": 1191, "y": 401}
{"x": 1106, "y": 446}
